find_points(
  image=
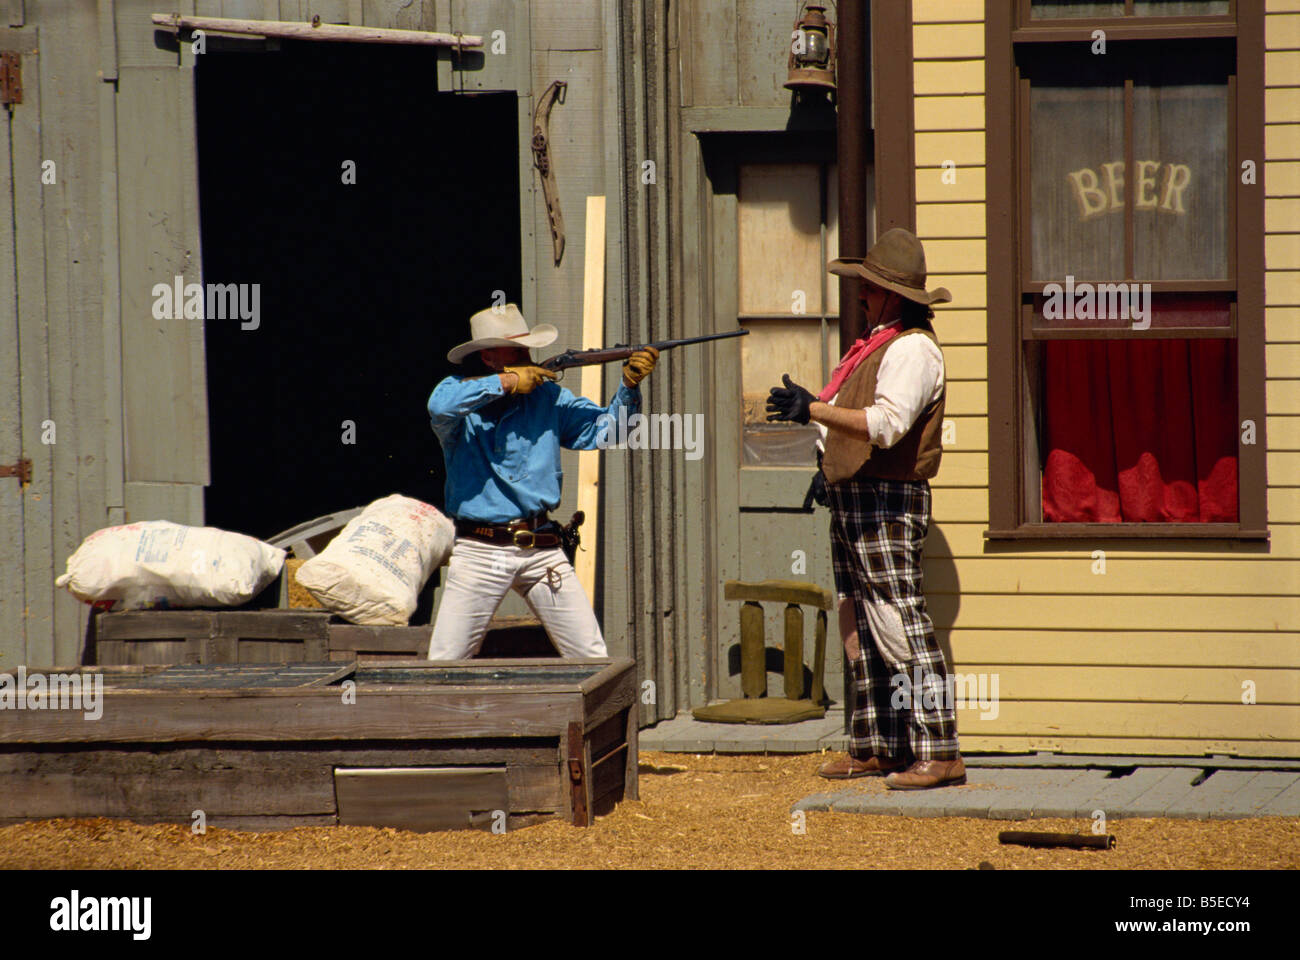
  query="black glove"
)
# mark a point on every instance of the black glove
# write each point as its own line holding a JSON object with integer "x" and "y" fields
{"x": 790, "y": 402}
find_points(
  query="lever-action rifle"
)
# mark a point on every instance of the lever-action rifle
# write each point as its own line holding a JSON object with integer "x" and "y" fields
{"x": 586, "y": 358}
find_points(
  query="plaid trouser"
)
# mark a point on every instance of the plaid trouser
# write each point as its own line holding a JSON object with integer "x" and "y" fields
{"x": 878, "y": 530}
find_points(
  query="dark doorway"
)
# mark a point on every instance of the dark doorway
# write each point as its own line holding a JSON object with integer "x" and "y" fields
{"x": 363, "y": 287}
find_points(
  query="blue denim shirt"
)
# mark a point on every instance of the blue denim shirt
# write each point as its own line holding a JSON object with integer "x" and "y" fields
{"x": 503, "y": 458}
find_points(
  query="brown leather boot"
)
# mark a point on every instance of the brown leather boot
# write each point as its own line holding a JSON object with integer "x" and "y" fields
{"x": 925, "y": 774}
{"x": 849, "y": 768}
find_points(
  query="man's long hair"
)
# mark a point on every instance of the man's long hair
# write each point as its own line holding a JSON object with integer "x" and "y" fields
{"x": 917, "y": 315}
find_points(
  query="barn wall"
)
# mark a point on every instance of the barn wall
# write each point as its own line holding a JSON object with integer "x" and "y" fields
{"x": 1151, "y": 657}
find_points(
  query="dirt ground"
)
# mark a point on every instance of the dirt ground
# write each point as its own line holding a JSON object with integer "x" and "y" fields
{"x": 694, "y": 812}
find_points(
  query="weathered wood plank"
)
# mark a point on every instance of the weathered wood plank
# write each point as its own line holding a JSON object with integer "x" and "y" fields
{"x": 40, "y": 509}
{"x": 13, "y": 637}
{"x": 420, "y": 799}
{"x": 308, "y": 714}
{"x": 162, "y": 376}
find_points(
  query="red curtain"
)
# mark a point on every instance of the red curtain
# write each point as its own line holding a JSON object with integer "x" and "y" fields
{"x": 1140, "y": 431}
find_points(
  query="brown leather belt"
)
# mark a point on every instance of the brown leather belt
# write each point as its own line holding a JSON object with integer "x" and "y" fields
{"x": 516, "y": 533}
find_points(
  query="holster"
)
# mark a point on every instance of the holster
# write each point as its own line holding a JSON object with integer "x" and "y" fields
{"x": 569, "y": 537}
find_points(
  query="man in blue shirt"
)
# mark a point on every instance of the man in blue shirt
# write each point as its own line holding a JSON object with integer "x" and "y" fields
{"x": 501, "y": 428}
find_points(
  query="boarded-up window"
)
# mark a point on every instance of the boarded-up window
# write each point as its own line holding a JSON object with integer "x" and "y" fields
{"x": 785, "y": 228}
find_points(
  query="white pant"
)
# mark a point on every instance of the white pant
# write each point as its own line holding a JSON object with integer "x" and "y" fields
{"x": 478, "y": 576}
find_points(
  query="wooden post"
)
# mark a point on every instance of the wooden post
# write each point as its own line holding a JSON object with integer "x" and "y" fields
{"x": 819, "y": 658}
{"x": 593, "y": 331}
{"x": 793, "y": 651}
{"x": 753, "y": 668}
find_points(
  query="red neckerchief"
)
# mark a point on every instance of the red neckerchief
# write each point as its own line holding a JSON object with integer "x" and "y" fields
{"x": 860, "y": 350}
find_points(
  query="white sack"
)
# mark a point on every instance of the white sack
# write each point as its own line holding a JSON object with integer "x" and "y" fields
{"x": 163, "y": 564}
{"x": 374, "y": 570}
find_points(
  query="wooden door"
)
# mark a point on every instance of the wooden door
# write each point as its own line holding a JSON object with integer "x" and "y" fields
{"x": 773, "y": 221}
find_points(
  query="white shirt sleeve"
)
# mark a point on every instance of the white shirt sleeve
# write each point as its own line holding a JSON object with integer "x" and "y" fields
{"x": 910, "y": 378}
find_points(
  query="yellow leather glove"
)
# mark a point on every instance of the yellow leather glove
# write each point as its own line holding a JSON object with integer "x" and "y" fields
{"x": 529, "y": 377}
{"x": 638, "y": 366}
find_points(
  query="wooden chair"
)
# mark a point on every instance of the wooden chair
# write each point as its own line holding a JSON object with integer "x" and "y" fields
{"x": 755, "y": 707}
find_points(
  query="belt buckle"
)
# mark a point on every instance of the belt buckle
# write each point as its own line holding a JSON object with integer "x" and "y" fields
{"x": 532, "y": 538}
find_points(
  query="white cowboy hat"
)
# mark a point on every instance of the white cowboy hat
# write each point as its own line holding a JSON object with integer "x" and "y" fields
{"x": 502, "y": 326}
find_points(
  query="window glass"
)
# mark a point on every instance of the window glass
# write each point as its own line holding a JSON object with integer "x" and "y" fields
{"x": 1121, "y": 306}
{"x": 1180, "y": 181}
{"x": 1181, "y": 8}
{"x": 774, "y": 347}
{"x": 1072, "y": 9}
{"x": 1077, "y": 181}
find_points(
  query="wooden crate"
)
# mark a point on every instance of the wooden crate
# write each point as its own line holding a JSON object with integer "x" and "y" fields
{"x": 281, "y": 636}
{"x": 275, "y": 745}
{"x": 208, "y": 636}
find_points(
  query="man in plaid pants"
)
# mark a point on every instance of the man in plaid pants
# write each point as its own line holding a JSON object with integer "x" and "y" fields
{"x": 882, "y": 416}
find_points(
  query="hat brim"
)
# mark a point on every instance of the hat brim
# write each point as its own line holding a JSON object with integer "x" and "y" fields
{"x": 542, "y": 335}
{"x": 855, "y": 267}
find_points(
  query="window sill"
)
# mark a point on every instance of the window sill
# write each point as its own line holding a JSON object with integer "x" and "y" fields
{"x": 1127, "y": 531}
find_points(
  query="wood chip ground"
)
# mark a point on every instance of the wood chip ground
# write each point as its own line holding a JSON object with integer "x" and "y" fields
{"x": 695, "y": 812}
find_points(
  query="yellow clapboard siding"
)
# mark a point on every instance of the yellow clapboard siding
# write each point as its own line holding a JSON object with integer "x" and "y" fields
{"x": 1282, "y": 105}
{"x": 963, "y": 470}
{"x": 949, "y": 220}
{"x": 1281, "y": 67}
{"x": 968, "y": 290}
{"x": 1282, "y": 287}
{"x": 1283, "y": 504}
{"x": 1282, "y": 360}
{"x": 960, "y": 41}
{"x": 970, "y": 434}
{"x": 970, "y": 504}
{"x": 962, "y": 147}
{"x": 1116, "y": 612}
{"x": 1034, "y": 576}
{"x": 1281, "y": 6}
{"x": 961, "y": 504}
{"x": 1132, "y": 746}
{"x": 1282, "y": 396}
{"x": 1197, "y": 721}
{"x": 1283, "y": 468}
{"x": 1192, "y": 684}
{"x": 966, "y": 398}
{"x": 948, "y": 11}
{"x": 956, "y": 256}
{"x": 967, "y": 540}
{"x": 1281, "y": 178}
{"x": 1282, "y": 324}
{"x": 1280, "y": 214}
{"x": 967, "y": 184}
{"x": 950, "y": 76}
{"x": 1124, "y": 648}
{"x": 1282, "y": 31}
{"x": 1281, "y": 141}
{"x": 1283, "y": 434}
{"x": 1282, "y": 251}
{"x": 949, "y": 112}
{"x": 961, "y": 326}
{"x": 965, "y": 362}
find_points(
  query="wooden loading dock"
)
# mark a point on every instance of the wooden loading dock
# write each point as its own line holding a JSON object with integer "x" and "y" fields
{"x": 413, "y": 744}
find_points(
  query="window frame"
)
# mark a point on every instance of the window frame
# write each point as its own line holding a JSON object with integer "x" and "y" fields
{"x": 1008, "y": 26}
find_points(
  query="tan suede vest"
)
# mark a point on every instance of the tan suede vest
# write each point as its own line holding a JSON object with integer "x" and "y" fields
{"x": 914, "y": 457}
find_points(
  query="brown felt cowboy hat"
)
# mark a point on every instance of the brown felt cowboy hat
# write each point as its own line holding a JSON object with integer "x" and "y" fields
{"x": 502, "y": 326}
{"x": 897, "y": 263}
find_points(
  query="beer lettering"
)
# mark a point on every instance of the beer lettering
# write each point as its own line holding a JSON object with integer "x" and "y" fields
{"x": 1160, "y": 186}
